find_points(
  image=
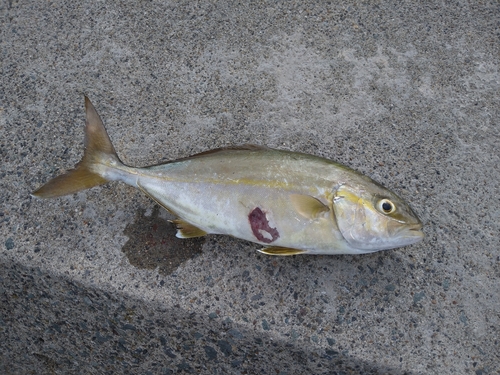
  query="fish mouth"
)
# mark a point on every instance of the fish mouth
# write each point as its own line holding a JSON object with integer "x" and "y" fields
{"x": 412, "y": 232}
{"x": 414, "y": 227}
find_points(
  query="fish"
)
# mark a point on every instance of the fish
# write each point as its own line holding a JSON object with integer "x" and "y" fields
{"x": 289, "y": 202}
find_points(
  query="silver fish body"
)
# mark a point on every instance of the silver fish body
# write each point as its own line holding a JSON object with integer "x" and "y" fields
{"x": 290, "y": 202}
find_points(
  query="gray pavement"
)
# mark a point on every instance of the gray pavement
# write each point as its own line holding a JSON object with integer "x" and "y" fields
{"x": 406, "y": 92}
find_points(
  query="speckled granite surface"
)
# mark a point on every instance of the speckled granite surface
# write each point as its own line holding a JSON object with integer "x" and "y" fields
{"x": 405, "y": 92}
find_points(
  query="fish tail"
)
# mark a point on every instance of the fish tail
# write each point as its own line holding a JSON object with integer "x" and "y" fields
{"x": 88, "y": 172}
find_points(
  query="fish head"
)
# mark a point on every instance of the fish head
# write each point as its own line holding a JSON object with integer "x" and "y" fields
{"x": 372, "y": 218}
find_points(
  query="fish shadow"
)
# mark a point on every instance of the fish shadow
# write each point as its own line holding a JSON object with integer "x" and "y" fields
{"x": 152, "y": 244}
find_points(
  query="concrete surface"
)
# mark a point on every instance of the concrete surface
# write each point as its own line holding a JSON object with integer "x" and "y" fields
{"x": 406, "y": 92}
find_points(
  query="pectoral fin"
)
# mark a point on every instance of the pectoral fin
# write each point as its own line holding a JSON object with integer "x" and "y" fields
{"x": 275, "y": 250}
{"x": 187, "y": 230}
{"x": 308, "y": 206}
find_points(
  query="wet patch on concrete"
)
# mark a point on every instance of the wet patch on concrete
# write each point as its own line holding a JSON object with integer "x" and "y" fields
{"x": 152, "y": 243}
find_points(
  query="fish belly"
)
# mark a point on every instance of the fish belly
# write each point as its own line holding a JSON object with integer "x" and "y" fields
{"x": 255, "y": 213}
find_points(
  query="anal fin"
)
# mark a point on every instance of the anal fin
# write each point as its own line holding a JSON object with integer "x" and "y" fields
{"x": 155, "y": 199}
{"x": 283, "y": 251}
{"x": 187, "y": 230}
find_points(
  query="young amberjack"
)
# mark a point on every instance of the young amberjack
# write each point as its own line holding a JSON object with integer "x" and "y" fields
{"x": 292, "y": 203}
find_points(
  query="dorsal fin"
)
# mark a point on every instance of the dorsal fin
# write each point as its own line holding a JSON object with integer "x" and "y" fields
{"x": 246, "y": 147}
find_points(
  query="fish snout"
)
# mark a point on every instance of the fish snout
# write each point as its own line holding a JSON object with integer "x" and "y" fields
{"x": 412, "y": 233}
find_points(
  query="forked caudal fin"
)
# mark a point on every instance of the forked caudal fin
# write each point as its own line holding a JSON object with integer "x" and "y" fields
{"x": 98, "y": 148}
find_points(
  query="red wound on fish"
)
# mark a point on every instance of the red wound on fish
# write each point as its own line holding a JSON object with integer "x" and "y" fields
{"x": 260, "y": 224}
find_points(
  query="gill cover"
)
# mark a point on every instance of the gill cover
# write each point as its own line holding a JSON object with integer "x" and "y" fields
{"x": 362, "y": 225}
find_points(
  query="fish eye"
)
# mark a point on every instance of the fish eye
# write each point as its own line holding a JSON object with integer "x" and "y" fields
{"x": 386, "y": 206}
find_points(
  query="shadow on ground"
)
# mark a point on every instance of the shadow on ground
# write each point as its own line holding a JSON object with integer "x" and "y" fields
{"x": 75, "y": 329}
